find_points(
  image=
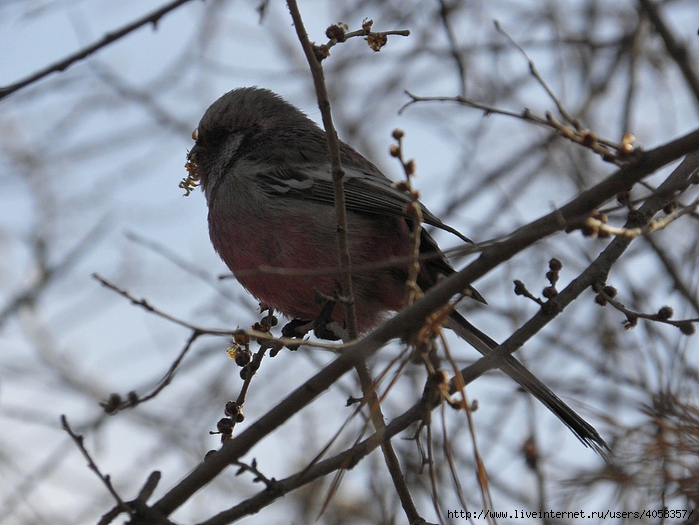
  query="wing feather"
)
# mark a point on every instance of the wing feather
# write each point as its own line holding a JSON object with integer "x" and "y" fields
{"x": 365, "y": 192}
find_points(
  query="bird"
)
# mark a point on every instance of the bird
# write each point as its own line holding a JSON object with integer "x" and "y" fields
{"x": 265, "y": 171}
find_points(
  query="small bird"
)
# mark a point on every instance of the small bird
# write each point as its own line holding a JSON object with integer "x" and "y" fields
{"x": 265, "y": 170}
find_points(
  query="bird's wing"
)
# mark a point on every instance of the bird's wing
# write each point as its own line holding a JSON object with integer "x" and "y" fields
{"x": 366, "y": 191}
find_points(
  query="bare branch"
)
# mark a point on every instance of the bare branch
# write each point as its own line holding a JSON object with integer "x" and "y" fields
{"x": 336, "y": 168}
{"x": 596, "y": 272}
{"x": 109, "y": 38}
{"x": 78, "y": 440}
{"x": 406, "y": 321}
{"x": 535, "y": 73}
{"x": 677, "y": 50}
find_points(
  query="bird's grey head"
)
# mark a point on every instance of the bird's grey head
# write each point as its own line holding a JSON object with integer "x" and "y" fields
{"x": 251, "y": 123}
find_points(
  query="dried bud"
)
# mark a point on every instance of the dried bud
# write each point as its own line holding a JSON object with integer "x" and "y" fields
{"x": 241, "y": 338}
{"x": 665, "y": 313}
{"x": 550, "y": 292}
{"x": 596, "y": 214}
{"x": 231, "y": 408}
{"x": 626, "y": 149}
{"x": 531, "y": 456}
{"x": 376, "y": 41}
{"x": 224, "y": 426}
{"x": 266, "y": 323}
{"x": 242, "y": 357}
{"x": 441, "y": 377}
{"x": 670, "y": 207}
{"x": 610, "y": 291}
{"x": 112, "y": 404}
{"x": 133, "y": 398}
{"x": 555, "y": 265}
{"x": 402, "y": 186}
{"x": 627, "y": 144}
{"x": 552, "y": 277}
{"x": 686, "y": 328}
{"x": 623, "y": 197}
{"x": 394, "y": 150}
{"x": 336, "y": 32}
{"x": 398, "y": 134}
{"x": 410, "y": 167}
{"x": 600, "y": 300}
{"x": 589, "y": 229}
{"x": 520, "y": 289}
{"x": 588, "y": 138}
{"x": 321, "y": 52}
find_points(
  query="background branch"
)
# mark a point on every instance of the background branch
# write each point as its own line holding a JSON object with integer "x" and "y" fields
{"x": 62, "y": 65}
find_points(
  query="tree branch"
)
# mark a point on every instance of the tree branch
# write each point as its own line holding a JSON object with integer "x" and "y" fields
{"x": 109, "y": 38}
{"x": 406, "y": 321}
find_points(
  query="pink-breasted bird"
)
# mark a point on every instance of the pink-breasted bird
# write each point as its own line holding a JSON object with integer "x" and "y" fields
{"x": 265, "y": 169}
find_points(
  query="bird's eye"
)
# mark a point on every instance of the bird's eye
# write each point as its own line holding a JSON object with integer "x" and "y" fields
{"x": 216, "y": 137}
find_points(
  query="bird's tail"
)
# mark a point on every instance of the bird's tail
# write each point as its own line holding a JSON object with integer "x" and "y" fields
{"x": 585, "y": 432}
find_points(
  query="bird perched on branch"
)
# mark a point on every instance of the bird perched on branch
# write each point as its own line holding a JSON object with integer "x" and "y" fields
{"x": 265, "y": 169}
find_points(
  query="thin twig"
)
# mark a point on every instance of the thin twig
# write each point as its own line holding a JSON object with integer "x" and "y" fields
{"x": 404, "y": 323}
{"x": 663, "y": 316}
{"x": 180, "y": 262}
{"x": 618, "y": 153}
{"x": 49, "y": 273}
{"x": 535, "y": 73}
{"x": 459, "y": 386}
{"x": 337, "y": 172}
{"x": 337, "y": 33}
{"x": 143, "y": 303}
{"x": 675, "y": 48}
{"x": 79, "y": 441}
{"x": 432, "y": 474}
{"x": 673, "y": 271}
{"x": 109, "y": 38}
{"x": 596, "y": 272}
{"x": 115, "y": 403}
{"x": 414, "y": 209}
{"x": 343, "y": 460}
{"x": 390, "y": 456}
{"x": 259, "y": 476}
{"x": 597, "y": 226}
{"x": 634, "y": 72}
{"x": 234, "y": 409}
{"x": 444, "y": 14}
